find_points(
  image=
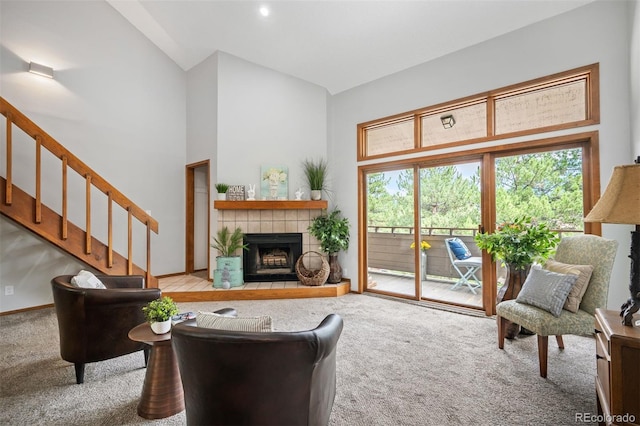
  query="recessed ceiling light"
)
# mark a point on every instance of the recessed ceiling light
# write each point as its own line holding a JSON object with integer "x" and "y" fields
{"x": 264, "y": 11}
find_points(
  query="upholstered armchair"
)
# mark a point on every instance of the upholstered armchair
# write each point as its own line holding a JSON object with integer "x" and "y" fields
{"x": 578, "y": 250}
{"x": 94, "y": 323}
{"x": 258, "y": 378}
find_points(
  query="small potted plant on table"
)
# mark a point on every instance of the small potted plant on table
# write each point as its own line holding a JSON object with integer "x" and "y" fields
{"x": 159, "y": 312}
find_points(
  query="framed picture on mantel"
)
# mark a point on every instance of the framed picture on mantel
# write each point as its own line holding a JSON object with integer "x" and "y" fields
{"x": 274, "y": 182}
{"x": 236, "y": 193}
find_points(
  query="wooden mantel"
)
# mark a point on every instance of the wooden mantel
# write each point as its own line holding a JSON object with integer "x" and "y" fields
{"x": 270, "y": 205}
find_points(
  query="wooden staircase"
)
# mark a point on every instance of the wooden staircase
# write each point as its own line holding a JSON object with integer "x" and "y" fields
{"x": 29, "y": 211}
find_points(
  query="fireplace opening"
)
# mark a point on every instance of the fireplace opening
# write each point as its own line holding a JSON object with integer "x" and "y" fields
{"x": 271, "y": 257}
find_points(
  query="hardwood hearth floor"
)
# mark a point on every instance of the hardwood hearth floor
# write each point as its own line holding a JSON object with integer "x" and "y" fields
{"x": 197, "y": 288}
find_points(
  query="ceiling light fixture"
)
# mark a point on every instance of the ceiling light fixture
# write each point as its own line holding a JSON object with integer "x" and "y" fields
{"x": 39, "y": 69}
{"x": 264, "y": 11}
{"x": 447, "y": 121}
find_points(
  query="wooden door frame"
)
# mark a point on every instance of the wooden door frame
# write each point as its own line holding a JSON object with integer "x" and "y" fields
{"x": 587, "y": 141}
{"x": 190, "y": 213}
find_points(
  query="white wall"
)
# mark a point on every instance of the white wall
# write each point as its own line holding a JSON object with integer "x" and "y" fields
{"x": 634, "y": 55}
{"x": 243, "y": 115}
{"x": 116, "y": 102}
{"x": 598, "y": 32}
{"x": 266, "y": 118}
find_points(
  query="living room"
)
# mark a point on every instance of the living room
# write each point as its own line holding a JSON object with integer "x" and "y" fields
{"x": 125, "y": 108}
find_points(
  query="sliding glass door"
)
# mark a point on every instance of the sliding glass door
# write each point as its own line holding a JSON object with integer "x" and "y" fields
{"x": 412, "y": 213}
{"x": 390, "y": 230}
{"x": 450, "y": 217}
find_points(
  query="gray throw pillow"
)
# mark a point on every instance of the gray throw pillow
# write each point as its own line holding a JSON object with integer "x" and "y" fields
{"x": 251, "y": 324}
{"x": 546, "y": 290}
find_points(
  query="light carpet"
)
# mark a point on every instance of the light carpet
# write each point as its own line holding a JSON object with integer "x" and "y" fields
{"x": 397, "y": 364}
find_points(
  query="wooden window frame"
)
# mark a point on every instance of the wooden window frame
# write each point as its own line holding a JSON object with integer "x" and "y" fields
{"x": 590, "y": 72}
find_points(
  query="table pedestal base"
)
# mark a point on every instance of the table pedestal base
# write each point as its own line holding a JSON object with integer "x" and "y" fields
{"x": 162, "y": 393}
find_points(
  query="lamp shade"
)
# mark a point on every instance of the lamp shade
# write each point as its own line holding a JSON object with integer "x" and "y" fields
{"x": 620, "y": 202}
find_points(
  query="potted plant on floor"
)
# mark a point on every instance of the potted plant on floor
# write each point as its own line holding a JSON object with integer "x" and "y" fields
{"x": 332, "y": 231}
{"x": 316, "y": 174}
{"x": 228, "y": 272}
{"x": 222, "y": 189}
{"x": 159, "y": 312}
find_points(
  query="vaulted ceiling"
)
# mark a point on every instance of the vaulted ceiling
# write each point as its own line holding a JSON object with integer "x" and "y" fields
{"x": 334, "y": 44}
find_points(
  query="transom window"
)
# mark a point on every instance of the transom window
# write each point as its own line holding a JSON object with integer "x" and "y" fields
{"x": 554, "y": 102}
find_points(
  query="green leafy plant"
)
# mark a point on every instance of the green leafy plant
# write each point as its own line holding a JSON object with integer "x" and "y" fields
{"x": 160, "y": 310}
{"x": 316, "y": 174}
{"x": 222, "y": 188}
{"x": 519, "y": 243}
{"x": 332, "y": 231}
{"x": 227, "y": 243}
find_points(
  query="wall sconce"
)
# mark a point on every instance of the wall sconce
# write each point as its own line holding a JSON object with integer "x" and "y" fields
{"x": 447, "y": 121}
{"x": 39, "y": 69}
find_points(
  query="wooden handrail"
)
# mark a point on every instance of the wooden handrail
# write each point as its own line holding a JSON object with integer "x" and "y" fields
{"x": 70, "y": 161}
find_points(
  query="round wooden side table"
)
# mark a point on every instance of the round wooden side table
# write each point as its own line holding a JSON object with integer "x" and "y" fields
{"x": 162, "y": 393}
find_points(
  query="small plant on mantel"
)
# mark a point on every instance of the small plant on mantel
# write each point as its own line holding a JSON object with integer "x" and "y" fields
{"x": 316, "y": 174}
{"x": 222, "y": 189}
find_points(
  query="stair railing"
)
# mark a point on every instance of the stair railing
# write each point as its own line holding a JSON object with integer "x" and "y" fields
{"x": 92, "y": 179}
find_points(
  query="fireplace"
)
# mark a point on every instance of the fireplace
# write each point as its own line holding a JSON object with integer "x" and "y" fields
{"x": 271, "y": 257}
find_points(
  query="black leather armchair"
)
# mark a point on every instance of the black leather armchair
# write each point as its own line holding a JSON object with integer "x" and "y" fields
{"x": 94, "y": 323}
{"x": 242, "y": 378}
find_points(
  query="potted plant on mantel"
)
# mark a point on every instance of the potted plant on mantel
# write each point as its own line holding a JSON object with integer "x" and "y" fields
{"x": 518, "y": 245}
{"x": 222, "y": 189}
{"x": 159, "y": 312}
{"x": 228, "y": 272}
{"x": 316, "y": 174}
{"x": 333, "y": 233}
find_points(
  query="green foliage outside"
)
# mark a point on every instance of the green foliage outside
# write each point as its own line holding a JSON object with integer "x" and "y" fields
{"x": 545, "y": 186}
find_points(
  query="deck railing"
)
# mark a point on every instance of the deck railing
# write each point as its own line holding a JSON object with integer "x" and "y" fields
{"x": 389, "y": 248}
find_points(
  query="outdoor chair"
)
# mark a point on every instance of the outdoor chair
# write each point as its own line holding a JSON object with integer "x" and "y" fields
{"x": 464, "y": 263}
{"x": 573, "y": 252}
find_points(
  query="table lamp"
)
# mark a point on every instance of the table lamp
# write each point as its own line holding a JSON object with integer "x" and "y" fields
{"x": 620, "y": 203}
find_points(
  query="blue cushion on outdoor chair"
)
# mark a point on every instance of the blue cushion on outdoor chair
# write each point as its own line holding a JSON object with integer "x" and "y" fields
{"x": 459, "y": 249}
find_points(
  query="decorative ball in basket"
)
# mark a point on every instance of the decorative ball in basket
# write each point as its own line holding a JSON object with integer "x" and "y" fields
{"x": 315, "y": 271}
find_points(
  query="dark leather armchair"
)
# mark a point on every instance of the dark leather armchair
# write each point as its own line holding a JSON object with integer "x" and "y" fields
{"x": 242, "y": 378}
{"x": 94, "y": 323}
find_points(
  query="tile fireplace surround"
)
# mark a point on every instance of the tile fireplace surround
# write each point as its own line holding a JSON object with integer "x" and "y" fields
{"x": 272, "y": 221}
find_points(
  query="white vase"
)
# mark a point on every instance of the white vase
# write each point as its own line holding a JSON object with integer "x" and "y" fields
{"x": 222, "y": 196}
{"x": 161, "y": 327}
{"x": 316, "y": 194}
{"x": 423, "y": 264}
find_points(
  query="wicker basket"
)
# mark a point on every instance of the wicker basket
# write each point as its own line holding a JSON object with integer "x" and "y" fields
{"x": 312, "y": 276}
